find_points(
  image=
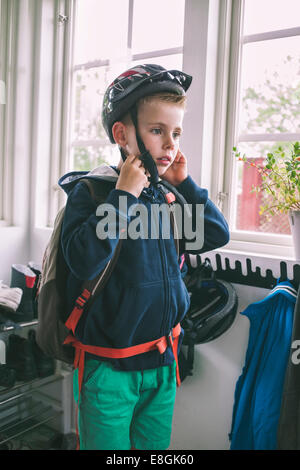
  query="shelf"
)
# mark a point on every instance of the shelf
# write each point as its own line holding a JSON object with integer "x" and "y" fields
{"x": 36, "y": 383}
{"x": 15, "y": 326}
{"x": 26, "y": 407}
{"x": 34, "y": 414}
{"x": 33, "y": 420}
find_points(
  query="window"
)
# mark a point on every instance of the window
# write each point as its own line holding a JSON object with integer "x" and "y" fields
{"x": 8, "y": 18}
{"x": 264, "y": 107}
{"x": 109, "y": 38}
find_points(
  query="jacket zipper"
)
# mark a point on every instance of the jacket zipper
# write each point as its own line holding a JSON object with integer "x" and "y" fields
{"x": 166, "y": 283}
{"x": 162, "y": 250}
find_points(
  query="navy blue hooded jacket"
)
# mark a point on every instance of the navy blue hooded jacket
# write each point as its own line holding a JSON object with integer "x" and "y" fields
{"x": 145, "y": 297}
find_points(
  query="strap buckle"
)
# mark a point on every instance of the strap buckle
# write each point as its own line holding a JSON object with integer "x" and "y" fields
{"x": 82, "y": 299}
{"x": 170, "y": 339}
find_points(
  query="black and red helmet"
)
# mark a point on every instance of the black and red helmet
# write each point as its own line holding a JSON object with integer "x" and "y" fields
{"x": 213, "y": 309}
{"x": 135, "y": 83}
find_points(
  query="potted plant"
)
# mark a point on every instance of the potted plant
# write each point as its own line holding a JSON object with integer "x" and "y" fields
{"x": 280, "y": 179}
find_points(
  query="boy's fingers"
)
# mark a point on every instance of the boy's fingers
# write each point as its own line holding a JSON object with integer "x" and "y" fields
{"x": 135, "y": 160}
{"x": 178, "y": 156}
{"x": 130, "y": 158}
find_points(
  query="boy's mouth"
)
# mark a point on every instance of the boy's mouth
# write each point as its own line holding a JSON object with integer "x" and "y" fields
{"x": 165, "y": 160}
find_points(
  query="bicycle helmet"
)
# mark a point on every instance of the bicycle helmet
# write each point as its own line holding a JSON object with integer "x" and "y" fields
{"x": 212, "y": 311}
{"x": 123, "y": 93}
{"x": 135, "y": 83}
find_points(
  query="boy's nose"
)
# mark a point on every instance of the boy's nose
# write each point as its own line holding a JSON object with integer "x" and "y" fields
{"x": 169, "y": 142}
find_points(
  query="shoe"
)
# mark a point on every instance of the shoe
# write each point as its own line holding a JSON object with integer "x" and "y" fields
{"x": 64, "y": 442}
{"x": 20, "y": 357}
{"x": 18, "y": 444}
{"x": 24, "y": 278}
{"x": 45, "y": 365}
{"x": 5, "y": 444}
{"x": 7, "y": 376}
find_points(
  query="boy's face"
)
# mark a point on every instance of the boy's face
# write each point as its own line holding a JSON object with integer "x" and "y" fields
{"x": 160, "y": 127}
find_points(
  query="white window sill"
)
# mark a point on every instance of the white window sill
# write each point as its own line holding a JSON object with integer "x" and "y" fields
{"x": 283, "y": 252}
{"x": 233, "y": 251}
{"x": 43, "y": 230}
{"x": 4, "y": 223}
{"x": 265, "y": 251}
{"x": 7, "y": 226}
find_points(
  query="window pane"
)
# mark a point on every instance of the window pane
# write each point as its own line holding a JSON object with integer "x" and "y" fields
{"x": 157, "y": 24}
{"x": 173, "y": 61}
{"x": 270, "y": 87}
{"x": 101, "y": 30}
{"x": 89, "y": 87}
{"x": 247, "y": 203}
{"x": 88, "y": 94}
{"x": 88, "y": 158}
{"x": 269, "y": 15}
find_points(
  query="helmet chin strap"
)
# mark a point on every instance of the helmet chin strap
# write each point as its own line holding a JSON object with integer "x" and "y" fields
{"x": 123, "y": 154}
{"x": 145, "y": 156}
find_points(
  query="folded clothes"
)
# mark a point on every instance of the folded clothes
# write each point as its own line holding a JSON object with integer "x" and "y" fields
{"x": 10, "y": 298}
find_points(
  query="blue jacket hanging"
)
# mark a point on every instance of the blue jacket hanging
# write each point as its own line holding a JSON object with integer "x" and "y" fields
{"x": 259, "y": 389}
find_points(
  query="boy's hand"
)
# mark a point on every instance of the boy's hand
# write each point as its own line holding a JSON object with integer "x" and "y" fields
{"x": 177, "y": 172}
{"x": 133, "y": 176}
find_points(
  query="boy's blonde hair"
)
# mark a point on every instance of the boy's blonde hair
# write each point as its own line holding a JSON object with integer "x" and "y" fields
{"x": 166, "y": 97}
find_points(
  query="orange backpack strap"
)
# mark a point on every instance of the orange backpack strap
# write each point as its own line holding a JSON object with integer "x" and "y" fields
{"x": 121, "y": 353}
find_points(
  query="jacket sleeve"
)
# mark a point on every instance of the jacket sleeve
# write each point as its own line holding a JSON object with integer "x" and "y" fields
{"x": 86, "y": 253}
{"x": 207, "y": 228}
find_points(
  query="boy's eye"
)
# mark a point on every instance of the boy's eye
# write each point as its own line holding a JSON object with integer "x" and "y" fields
{"x": 156, "y": 131}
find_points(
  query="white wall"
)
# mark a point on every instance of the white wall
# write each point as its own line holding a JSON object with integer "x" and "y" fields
{"x": 204, "y": 401}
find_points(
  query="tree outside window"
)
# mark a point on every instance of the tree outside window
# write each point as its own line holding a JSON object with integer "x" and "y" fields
{"x": 269, "y": 111}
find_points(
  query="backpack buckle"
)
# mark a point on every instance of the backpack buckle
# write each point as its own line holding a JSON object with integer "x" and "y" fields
{"x": 83, "y": 298}
{"x": 170, "y": 339}
{"x": 170, "y": 198}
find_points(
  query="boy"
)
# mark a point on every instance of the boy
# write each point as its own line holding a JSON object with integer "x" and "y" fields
{"x": 128, "y": 402}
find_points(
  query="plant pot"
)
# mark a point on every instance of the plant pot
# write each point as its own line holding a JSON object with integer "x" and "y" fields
{"x": 294, "y": 219}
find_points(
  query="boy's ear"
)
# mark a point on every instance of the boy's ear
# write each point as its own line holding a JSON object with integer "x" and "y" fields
{"x": 119, "y": 133}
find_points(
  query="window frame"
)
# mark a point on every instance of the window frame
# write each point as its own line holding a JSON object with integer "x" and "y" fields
{"x": 212, "y": 98}
{"x": 199, "y": 119}
{"x": 98, "y": 143}
{"x": 200, "y": 28}
{"x": 254, "y": 242}
{"x": 63, "y": 34}
{"x": 9, "y": 14}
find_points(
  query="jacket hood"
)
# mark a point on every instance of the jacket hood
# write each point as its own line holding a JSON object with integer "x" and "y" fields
{"x": 104, "y": 172}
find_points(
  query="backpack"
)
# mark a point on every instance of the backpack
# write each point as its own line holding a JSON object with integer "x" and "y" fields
{"x": 52, "y": 332}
